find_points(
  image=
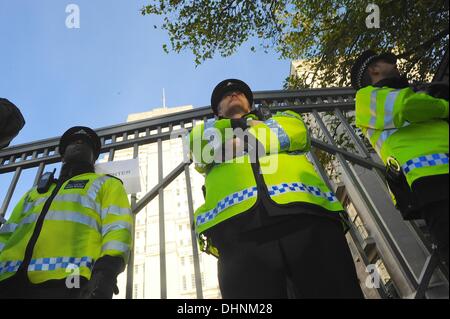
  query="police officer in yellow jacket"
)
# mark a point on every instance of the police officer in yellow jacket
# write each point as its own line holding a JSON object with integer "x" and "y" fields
{"x": 409, "y": 131}
{"x": 270, "y": 219}
{"x": 71, "y": 237}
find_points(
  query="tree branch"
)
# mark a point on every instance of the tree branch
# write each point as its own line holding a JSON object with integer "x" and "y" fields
{"x": 425, "y": 44}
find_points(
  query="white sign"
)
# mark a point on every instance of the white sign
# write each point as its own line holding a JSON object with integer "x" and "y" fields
{"x": 127, "y": 171}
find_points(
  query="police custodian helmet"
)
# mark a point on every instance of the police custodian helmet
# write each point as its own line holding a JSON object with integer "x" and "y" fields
{"x": 227, "y": 86}
{"x": 80, "y": 132}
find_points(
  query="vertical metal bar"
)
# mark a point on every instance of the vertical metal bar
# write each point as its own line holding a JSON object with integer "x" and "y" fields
{"x": 38, "y": 174}
{"x": 112, "y": 150}
{"x": 347, "y": 170}
{"x": 11, "y": 188}
{"x": 428, "y": 245}
{"x": 10, "y": 192}
{"x": 111, "y": 155}
{"x": 319, "y": 167}
{"x": 41, "y": 168}
{"x": 427, "y": 272}
{"x": 362, "y": 149}
{"x": 195, "y": 253}
{"x": 162, "y": 229}
{"x": 197, "y": 272}
{"x": 130, "y": 267}
{"x": 358, "y": 143}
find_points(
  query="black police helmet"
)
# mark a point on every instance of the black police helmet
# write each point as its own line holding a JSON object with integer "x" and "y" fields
{"x": 362, "y": 63}
{"x": 11, "y": 122}
{"x": 80, "y": 132}
{"x": 227, "y": 86}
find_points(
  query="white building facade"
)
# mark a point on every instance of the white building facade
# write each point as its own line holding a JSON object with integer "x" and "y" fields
{"x": 178, "y": 243}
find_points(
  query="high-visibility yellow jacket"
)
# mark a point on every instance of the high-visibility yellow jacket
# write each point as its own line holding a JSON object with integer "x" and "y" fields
{"x": 89, "y": 217}
{"x": 231, "y": 186}
{"x": 406, "y": 125}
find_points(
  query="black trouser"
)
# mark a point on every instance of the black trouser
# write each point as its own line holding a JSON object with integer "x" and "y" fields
{"x": 436, "y": 218}
{"x": 312, "y": 262}
{"x": 18, "y": 287}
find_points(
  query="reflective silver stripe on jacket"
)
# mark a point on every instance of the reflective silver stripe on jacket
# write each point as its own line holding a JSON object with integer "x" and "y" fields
{"x": 10, "y": 228}
{"x": 85, "y": 201}
{"x": 96, "y": 186}
{"x": 30, "y": 205}
{"x": 116, "y": 245}
{"x": 106, "y": 228}
{"x": 389, "y": 109}
{"x": 283, "y": 138}
{"x": 72, "y": 217}
{"x": 114, "y": 210}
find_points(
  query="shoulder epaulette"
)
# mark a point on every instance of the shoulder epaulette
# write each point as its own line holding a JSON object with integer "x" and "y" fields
{"x": 115, "y": 177}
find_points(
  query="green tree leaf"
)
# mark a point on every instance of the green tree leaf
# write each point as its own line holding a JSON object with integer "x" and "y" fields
{"x": 327, "y": 34}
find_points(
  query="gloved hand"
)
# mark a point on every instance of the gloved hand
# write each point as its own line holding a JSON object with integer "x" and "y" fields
{"x": 435, "y": 89}
{"x": 103, "y": 282}
{"x": 438, "y": 90}
{"x": 101, "y": 286}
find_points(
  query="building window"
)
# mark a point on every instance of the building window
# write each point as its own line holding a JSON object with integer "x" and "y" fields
{"x": 136, "y": 288}
{"x": 191, "y": 259}
{"x": 193, "y": 281}
{"x": 136, "y": 269}
{"x": 184, "y": 283}
{"x": 182, "y": 261}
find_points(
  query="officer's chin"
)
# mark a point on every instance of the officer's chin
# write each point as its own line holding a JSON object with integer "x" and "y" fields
{"x": 76, "y": 158}
{"x": 237, "y": 108}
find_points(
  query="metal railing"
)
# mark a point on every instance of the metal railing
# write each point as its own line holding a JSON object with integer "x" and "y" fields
{"x": 408, "y": 258}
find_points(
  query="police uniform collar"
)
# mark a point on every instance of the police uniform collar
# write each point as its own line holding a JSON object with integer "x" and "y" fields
{"x": 70, "y": 170}
{"x": 393, "y": 82}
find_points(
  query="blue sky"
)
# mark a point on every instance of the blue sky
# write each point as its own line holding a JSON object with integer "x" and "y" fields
{"x": 112, "y": 66}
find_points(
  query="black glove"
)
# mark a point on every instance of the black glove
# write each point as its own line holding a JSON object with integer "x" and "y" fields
{"x": 435, "y": 89}
{"x": 11, "y": 122}
{"x": 103, "y": 282}
{"x": 438, "y": 90}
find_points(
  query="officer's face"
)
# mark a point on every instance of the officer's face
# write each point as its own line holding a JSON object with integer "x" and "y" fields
{"x": 79, "y": 151}
{"x": 384, "y": 69}
{"x": 233, "y": 105}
